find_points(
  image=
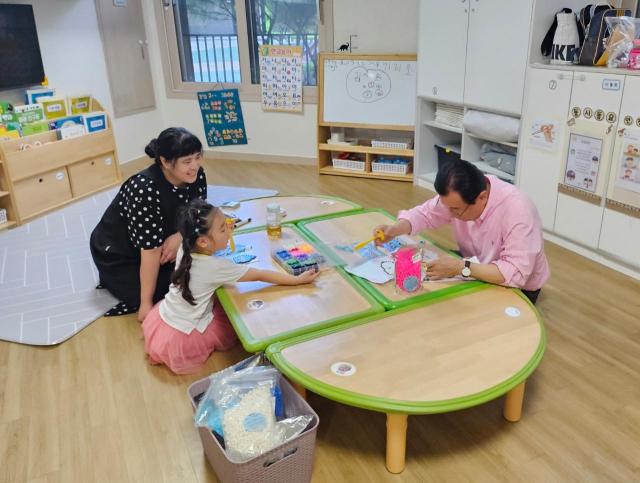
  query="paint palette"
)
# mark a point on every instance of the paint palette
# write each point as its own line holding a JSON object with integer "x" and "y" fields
{"x": 298, "y": 259}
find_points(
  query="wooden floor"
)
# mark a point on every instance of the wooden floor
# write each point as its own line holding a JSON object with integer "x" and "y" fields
{"x": 92, "y": 409}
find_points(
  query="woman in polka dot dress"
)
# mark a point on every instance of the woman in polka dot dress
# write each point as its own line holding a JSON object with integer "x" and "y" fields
{"x": 135, "y": 243}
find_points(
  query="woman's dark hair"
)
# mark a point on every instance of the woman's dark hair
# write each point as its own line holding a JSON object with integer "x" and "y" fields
{"x": 193, "y": 220}
{"x": 462, "y": 177}
{"x": 173, "y": 143}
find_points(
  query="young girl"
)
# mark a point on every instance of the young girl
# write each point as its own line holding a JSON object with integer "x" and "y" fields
{"x": 182, "y": 330}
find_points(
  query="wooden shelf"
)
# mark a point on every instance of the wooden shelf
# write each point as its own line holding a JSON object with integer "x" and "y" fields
{"x": 444, "y": 127}
{"x": 4, "y": 193}
{"x": 364, "y": 174}
{"x": 504, "y": 143}
{"x": 8, "y": 224}
{"x": 345, "y": 148}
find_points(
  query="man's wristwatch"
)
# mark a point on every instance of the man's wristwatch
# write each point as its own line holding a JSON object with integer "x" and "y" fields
{"x": 466, "y": 270}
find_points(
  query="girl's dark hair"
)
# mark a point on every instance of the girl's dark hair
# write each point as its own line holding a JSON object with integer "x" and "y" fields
{"x": 462, "y": 177}
{"x": 173, "y": 143}
{"x": 193, "y": 220}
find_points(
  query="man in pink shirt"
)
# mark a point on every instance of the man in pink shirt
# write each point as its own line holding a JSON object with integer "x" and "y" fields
{"x": 491, "y": 219}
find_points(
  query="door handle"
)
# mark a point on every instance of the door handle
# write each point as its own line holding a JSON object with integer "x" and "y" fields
{"x": 571, "y": 121}
{"x": 621, "y": 131}
{"x": 141, "y": 42}
{"x": 610, "y": 128}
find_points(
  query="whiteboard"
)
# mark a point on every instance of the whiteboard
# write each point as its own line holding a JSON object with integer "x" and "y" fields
{"x": 369, "y": 91}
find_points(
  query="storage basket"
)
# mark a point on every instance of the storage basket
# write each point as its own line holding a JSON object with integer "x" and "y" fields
{"x": 377, "y": 143}
{"x": 393, "y": 168}
{"x": 289, "y": 462}
{"x": 350, "y": 164}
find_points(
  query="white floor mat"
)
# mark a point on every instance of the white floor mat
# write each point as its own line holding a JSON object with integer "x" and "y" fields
{"x": 47, "y": 276}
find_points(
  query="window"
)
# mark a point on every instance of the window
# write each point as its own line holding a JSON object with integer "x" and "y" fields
{"x": 213, "y": 42}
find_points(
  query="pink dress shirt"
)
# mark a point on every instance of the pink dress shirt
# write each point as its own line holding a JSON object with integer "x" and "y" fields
{"x": 508, "y": 233}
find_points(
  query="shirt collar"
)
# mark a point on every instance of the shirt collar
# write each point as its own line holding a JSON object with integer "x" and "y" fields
{"x": 497, "y": 194}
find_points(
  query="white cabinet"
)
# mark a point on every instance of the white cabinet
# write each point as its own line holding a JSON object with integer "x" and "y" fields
{"x": 442, "y": 41}
{"x": 496, "y": 55}
{"x": 474, "y": 52}
{"x": 594, "y": 97}
{"x": 548, "y": 97}
{"x": 620, "y": 233}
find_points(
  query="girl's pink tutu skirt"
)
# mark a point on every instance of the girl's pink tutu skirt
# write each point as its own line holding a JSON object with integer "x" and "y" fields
{"x": 186, "y": 353}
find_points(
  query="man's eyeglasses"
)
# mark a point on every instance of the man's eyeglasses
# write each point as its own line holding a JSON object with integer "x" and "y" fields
{"x": 455, "y": 211}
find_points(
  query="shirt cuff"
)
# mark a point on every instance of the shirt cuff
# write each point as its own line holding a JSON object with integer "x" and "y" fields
{"x": 511, "y": 274}
{"x": 411, "y": 218}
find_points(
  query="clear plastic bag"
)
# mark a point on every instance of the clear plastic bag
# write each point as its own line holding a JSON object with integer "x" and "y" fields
{"x": 622, "y": 32}
{"x": 243, "y": 406}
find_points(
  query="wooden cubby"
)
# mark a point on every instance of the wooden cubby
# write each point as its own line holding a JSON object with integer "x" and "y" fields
{"x": 39, "y": 179}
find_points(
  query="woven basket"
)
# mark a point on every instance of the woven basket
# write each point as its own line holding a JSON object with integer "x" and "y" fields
{"x": 291, "y": 462}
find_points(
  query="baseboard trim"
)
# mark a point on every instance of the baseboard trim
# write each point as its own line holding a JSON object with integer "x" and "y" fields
{"x": 261, "y": 158}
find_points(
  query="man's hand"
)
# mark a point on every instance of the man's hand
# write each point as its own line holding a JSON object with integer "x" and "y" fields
{"x": 444, "y": 267}
{"x": 170, "y": 248}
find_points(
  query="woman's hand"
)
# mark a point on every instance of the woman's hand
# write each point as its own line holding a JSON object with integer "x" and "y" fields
{"x": 170, "y": 248}
{"x": 145, "y": 308}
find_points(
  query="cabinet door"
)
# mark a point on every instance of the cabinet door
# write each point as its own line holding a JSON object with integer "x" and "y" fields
{"x": 577, "y": 219}
{"x": 539, "y": 161}
{"x": 497, "y": 45}
{"x": 442, "y": 43}
{"x": 620, "y": 233}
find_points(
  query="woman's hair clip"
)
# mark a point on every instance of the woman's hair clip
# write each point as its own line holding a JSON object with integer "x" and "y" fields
{"x": 197, "y": 230}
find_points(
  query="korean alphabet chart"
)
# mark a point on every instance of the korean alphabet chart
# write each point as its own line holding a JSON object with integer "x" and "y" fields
{"x": 281, "y": 77}
{"x": 222, "y": 117}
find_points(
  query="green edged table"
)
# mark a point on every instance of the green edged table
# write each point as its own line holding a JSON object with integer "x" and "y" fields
{"x": 348, "y": 228}
{"x": 297, "y": 208}
{"x": 447, "y": 354}
{"x": 262, "y": 313}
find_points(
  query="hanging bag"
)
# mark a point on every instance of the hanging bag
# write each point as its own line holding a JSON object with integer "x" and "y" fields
{"x": 592, "y": 17}
{"x": 564, "y": 38}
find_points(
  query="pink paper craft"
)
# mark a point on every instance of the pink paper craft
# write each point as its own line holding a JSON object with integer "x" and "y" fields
{"x": 408, "y": 269}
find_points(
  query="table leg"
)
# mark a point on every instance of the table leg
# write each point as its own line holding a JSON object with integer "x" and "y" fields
{"x": 396, "y": 442}
{"x": 299, "y": 389}
{"x": 513, "y": 403}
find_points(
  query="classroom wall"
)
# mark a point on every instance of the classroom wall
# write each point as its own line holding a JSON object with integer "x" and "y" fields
{"x": 380, "y": 29}
{"x": 74, "y": 61}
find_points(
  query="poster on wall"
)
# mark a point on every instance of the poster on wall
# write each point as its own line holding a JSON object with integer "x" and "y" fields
{"x": 543, "y": 134}
{"x": 628, "y": 176}
{"x": 222, "y": 117}
{"x": 281, "y": 77}
{"x": 583, "y": 162}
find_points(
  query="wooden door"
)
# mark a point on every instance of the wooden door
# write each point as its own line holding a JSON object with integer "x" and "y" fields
{"x": 497, "y": 45}
{"x": 539, "y": 162}
{"x": 442, "y": 44}
{"x": 124, "y": 40}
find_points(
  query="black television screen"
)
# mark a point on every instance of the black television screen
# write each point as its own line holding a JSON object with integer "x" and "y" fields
{"x": 20, "y": 60}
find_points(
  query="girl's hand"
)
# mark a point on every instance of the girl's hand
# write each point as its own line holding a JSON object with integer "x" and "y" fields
{"x": 170, "y": 248}
{"x": 145, "y": 308}
{"x": 306, "y": 277}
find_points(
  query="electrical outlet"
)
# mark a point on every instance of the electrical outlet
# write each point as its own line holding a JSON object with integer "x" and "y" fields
{"x": 611, "y": 84}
